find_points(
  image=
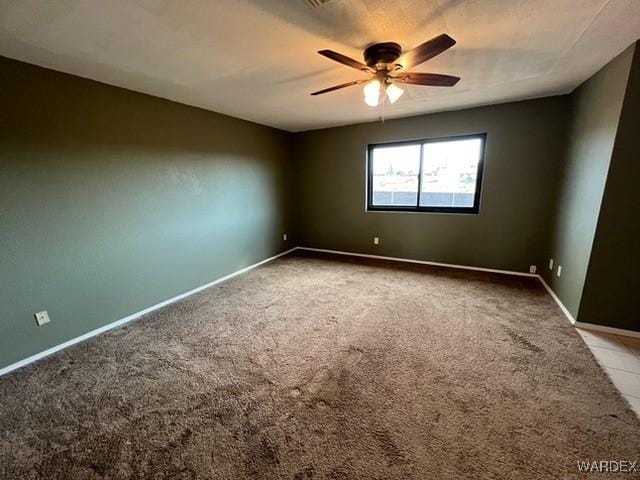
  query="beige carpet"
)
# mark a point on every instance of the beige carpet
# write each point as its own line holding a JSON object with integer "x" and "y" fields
{"x": 320, "y": 367}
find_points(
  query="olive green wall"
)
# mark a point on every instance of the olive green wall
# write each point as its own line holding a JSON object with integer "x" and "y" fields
{"x": 612, "y": 282}
{"x": 112, "y": 201}
{"x": 596, "y": 106}
{"x": 525, "y": 145}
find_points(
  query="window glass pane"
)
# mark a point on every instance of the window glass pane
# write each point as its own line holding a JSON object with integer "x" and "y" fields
{"x": 395, "y": 175}
{"x": 449, "y": 173}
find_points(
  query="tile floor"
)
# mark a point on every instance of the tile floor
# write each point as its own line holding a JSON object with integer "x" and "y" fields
{"x": 620, "y": 358}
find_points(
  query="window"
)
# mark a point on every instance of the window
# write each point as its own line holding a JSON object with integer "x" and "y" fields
{"x": 437, "y": 175}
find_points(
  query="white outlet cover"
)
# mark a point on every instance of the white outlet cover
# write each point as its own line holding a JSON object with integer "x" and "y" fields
{"x": 532, "y": 268}
{"x": 42, "y": 318}
{"x": 376, "y": 240}
{"x": 551, "y": 264}
{"x": 284, "y": 237}
{"x": 559, "y": 270}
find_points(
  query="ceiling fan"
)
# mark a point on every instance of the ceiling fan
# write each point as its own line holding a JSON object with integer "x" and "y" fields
{"x": 386, "y": 64}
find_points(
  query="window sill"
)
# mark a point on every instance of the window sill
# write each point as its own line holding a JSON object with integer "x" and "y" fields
{"x": 446, "y": 211}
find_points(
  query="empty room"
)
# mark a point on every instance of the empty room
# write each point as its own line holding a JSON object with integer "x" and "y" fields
{"x": 319, "y": 239}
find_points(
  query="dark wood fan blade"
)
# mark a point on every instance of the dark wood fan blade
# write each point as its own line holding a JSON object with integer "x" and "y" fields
{"x": 427, "y": 50}
{"x": 431, "y": 79}
{"x": 349, "y": 62}
{"x": 338, "y": 87}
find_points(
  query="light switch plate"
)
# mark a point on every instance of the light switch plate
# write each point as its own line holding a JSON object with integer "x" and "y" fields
{"x": 42, "y": 318}
{"x": 376, "y": 241}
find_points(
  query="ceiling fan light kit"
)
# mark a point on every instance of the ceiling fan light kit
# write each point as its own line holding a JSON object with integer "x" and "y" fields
{"x": 393, "y": 92}
{"x": 386, "y": 64}
{"x": 372, "y": 93}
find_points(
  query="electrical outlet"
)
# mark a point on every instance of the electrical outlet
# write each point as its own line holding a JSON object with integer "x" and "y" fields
{"x": 42, "y": 318}
{"x": 376, "y": 241}
{"x": 284, "y": 237}
{"x": 532, "y": 268}
{"x": 559, "y": 270}
{"x": 551, "y": 264}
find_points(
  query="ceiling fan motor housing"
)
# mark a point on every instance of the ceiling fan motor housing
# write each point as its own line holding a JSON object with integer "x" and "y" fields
{"x": 382, "y": 53}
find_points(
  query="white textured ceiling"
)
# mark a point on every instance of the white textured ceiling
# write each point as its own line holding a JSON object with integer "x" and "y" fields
{"x": 257, "y": 60}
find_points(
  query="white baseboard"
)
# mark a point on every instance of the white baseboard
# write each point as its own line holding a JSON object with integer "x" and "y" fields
{"x": 133, "y": 316}
{"x": 422, "y": 262}
{"x": 605, "y": 329}
{"x": 588, "y": 326}
{"x": 564, "y": 309}
{"x": 122, "y": 321}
